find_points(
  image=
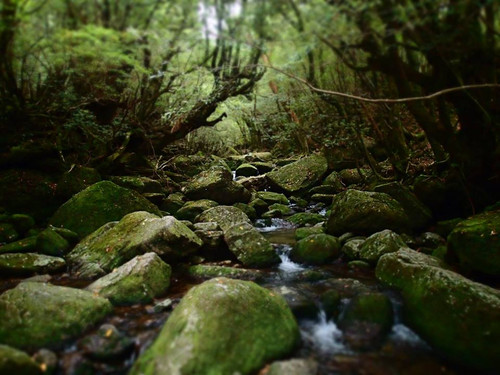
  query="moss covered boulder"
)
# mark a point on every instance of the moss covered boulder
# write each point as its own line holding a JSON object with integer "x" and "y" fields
{"x": 50, "y": 242}
{"x": 316, "y": 249}
{"x": 378, "y": 244}
{"x": 222, "y": 326}
{"x": 137, "y": 281}
{"x": 305, "y": 218}
{"x": 300, "y": 175}
{"x": 36, "y": 315}
{"x": 216, "y": 184}
{"x": 224, "y": 216}
{"x": 207, "y": 271}
{"x": 97, "y": 205}
{"x": 18, "y": 264}
{"x": 137, "y": 233}
{"x": 76, "y": 179}
{"x": 458, "y": 317}
{"x": 365, "y": 212}
{"x": 250, "y": 246}
{"x": 476, "y": 243}
{"x": 140, "y": 184}
{"x": 270, "y": 197}
{"x": 304, "y": 232}
{"x": 247, "y": 170}
{"x": 191, "y": 209}
{"x": 26, "y": 245}
{"x": 17, "y": 362}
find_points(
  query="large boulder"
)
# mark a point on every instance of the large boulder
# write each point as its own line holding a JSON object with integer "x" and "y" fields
{"x": 216, "y": 184}
{"x": 75, "y": 180}
{"x": 97, "y": 205}
{"x": 225, "y": 216}
{"x": 476, "y": 242}
{"x": 36, "y": 315}
{"x": 250, "y": 246}
{"x": 458, "y": 317}
{"x": 18, "y": 264}
{"x": 365, "y": 212}
{"x": 222, "y": 326}
{"x": 137, "y": 281}
{"x": 137, "y": 233}
{"x": 316, "y": 249}
{"x": 378, "y": 244}
{"x": 300, "y": 175}
{"x": 191, "y": 209}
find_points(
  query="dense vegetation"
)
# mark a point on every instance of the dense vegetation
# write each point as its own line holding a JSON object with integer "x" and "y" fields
{"x": 91, "y": 78}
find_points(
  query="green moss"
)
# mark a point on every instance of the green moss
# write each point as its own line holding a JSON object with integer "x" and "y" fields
{"x": 191, "y": 209}
{"x": 222, "y": 326}
{"x": 13, "y": 361}
{"x": 250, "y": 246}
{"x": 137, "y": 281}
{"x": 29, "y": 264}
{"x": 36, "y": 315}
{"x": 97, "y": 205}
{"x": 225, "y": 216}
{"x": 369, "y": 307}
{"x": 8, "y": 233}
{"x": 476, "y": 242}
{"x": 378, "y": 244}
{"x": 209, "y": 272}
{"x": 300, "y": 175}
{"x": 306, "y": 218}
{"x": 301, "y": 233}
{"x": 316, "y": 249}
{"x": 25, "y": 245}
{"x": 458, "y": 317}
{"x": 49, "y": 242}
{"x": 270, "y": 198}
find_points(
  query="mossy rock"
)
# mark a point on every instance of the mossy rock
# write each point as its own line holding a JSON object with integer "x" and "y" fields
{"x": 17, "y": 264}
{"x": 316, "y": 249}
{"x": 323, "y": 198}
{"x": 282, "y": 208}
{"x": 334, "y": 181}
{"x": 305, "y": 218}
{"x": 36, "y": 315}
{"x": 26, "y": 245}
{"x": 22, "y": 223}
{"x": 225, "y": 216}
{"x": 137, "y": 233}
{"x": 476, "y": 243}
{"x": 364, "y": 212}
{"x": 14, "y": 361}
{"x": 190, "y": 210}
{"x": 216, "y": 184}
{"x": 262, "y": 166}
{"x": 215, "y": 323}
{"x": 270, "y": 197}
{"x": 138, "y": 281}
{"x": 209, "y": 272}
{"x": 247, "y": 170}
{"x": 259, "y": 205}
{"x": 302, "y": 305}
{"x": 173, "y": 202}
{"x": 300, "y": 175}
{"x": 378, "y": 244}
{"x": 97, "y": 205}
{"x": 456, "y": 316}
{"x": 78, "y": 178}
{"x": 249, "y": 246}
{"x": 351, "y": 248}
{"x": 247, "y": 209}
{"x": 49, "y": 242}
{"x": 140, "y": 184}
{"x": 301, "y": 233}
{"x": 297, "y": 366}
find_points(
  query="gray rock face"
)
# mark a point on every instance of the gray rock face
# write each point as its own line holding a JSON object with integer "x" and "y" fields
{"x": 17, "y": 264}
{"x": 97, "y": 205}
{"x": 224, "y": 216}
{"x": 216, "y": 184}
{"x": 36, "y": 315}
{"x": 378, "y": 244}
{"x": 458, "y": 317}
{"x": 300, "y": 175}
{"x": 250, "y": 246}
{"x": 364, "y": 212}
{"x": 137, "y": 233}
{"x": 222, "y": 326}
{"x": 137, "y": 281}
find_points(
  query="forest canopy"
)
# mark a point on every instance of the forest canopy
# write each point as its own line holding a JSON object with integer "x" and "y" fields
{"x": 90, "y": 79}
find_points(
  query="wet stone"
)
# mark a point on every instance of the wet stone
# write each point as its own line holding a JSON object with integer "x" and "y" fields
{"x": 107, "y": 344}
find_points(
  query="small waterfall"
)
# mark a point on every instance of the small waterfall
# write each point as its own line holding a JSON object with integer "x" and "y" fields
{"x": 234, "y": 175}
{"x": 402, "y": 334}
{"x": 323, "y": 334}
{"x": 287, "y": 265}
